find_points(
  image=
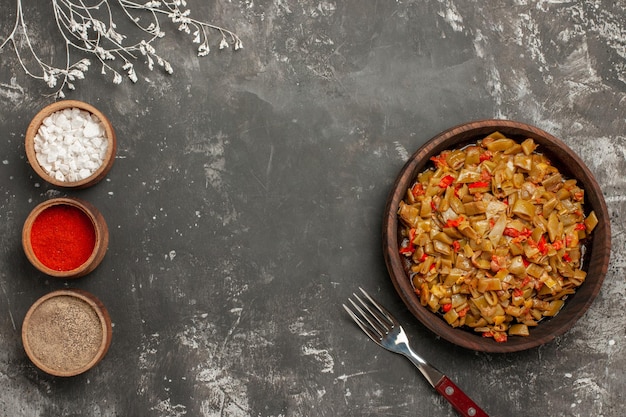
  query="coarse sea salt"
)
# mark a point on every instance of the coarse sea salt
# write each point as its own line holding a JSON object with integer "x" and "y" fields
{"x": 71, "y": 144}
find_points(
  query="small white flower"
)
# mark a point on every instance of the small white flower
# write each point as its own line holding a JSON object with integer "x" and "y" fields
{"x": 74, "y": 26}
{"x": 78, "y": 74}
{"x": 52, "y": 81}
{"x": 117, "y": 78}
{"x": 99, "y": 27}
{"x": 132, "y": 75}
{"x": 116, "y": 37}
{"x": 82, "y": 65}
{"x": 223, "y": 43}
{"x": 203, "y": 50}
{"x": 99, "y": 50}
{"x": 130, "y": 70}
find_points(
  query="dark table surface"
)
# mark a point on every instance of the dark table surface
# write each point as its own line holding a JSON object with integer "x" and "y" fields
{"x": 245, "y": 205}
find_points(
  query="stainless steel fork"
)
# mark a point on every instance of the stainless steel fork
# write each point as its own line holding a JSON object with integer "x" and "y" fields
{"x": 378, "y": 323}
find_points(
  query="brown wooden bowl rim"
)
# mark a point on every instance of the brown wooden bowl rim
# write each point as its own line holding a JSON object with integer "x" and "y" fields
{"x": 98, "y": 223}
{"x": 103, "y": 316}
{"x": 570, "y": 164}
{"x": 33, "y": 128}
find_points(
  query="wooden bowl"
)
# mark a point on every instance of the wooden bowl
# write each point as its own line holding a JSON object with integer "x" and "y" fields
{"x": 65, "y": 267}
{"x": 33, "y": 129}
{"x": 66, "y": 332}
{"x": 570, "y": 165}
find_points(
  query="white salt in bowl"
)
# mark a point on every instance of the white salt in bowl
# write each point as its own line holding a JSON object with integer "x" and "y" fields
{"x": 70, "y": 144}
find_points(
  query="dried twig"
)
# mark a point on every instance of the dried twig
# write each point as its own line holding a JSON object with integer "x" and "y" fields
{"x": 91, "y": 29}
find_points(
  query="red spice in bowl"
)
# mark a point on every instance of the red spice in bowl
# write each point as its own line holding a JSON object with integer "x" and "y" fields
{"x": 65, "y": 237}
{"x": 62, "y": 237}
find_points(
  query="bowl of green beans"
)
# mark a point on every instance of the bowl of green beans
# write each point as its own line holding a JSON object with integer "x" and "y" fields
{"x": 496, "y": 236}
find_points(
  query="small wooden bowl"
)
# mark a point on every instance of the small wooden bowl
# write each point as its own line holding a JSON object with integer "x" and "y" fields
{"x": 36, "y": 123}
{"x": 599, "y": 247}
{"x": 100, "y": 244}
{"x": 66, "y": 332}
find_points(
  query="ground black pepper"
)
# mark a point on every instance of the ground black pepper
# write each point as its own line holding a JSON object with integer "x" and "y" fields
{"x": 64, "y": 333}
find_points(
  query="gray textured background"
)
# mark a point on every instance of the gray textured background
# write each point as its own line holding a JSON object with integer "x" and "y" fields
{"x": 245, "y": 205}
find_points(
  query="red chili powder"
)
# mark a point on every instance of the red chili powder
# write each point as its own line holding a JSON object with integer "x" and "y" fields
{"x": 62, "y": 237}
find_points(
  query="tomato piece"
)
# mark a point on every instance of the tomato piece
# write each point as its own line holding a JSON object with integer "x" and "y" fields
{"x": 410, "y": 246}
{"x": 479, "y": 184}
{"x": 446, "y": 181}
{"x": 439, "y": 161}
{"x": 418, "y": 190}
{"x": 456, "y": 222}
{"x": 485, "y": 156}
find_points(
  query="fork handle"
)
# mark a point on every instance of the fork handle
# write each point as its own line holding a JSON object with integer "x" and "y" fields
{"x": 459, "y": 400}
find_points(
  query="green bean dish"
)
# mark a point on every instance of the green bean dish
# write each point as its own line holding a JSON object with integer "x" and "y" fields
{"x": 493, "y": 235}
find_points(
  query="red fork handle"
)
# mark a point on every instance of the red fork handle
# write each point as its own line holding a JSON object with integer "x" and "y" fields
{"x": 459, "y": 400}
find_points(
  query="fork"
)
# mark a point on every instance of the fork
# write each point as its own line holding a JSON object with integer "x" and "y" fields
{"x": 383, "y": 328}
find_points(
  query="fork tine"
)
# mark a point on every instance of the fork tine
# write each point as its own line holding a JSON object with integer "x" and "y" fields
{"x": 390, "y": 318}
{"x": 366, "y": 315}
{"x": 370, "y": 332}
{"x": 376, "y": 321}
{"x": 373, "y": 317}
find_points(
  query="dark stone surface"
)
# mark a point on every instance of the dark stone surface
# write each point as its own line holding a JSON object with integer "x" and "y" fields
{"x": 246, "y": 200}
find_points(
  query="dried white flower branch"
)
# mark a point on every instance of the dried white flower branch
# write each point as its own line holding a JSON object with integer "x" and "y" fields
{"x": 91, "y": 29}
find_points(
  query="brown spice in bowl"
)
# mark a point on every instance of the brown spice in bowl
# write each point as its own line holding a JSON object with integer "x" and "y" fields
{"x": 64, "y": 334}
